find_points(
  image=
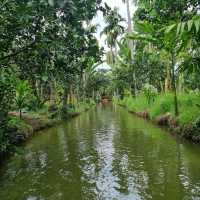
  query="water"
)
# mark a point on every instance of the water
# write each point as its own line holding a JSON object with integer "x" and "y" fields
{"x": 105, "y": 153}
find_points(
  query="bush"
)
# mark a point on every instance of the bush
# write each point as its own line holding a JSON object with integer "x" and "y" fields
{"x": 150, "y": 92}
{"x": 22, "y": 93}
{"x": 189, "y": 109}
{"x": 192, "y": 131}
{"x": 6, "y": 100}
{"x": 34, "y": 103}
{"x": 163, "y": 104}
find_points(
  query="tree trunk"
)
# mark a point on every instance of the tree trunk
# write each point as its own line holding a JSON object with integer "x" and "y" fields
{"x": 20, "y": 113}
{"x": 129, "y": 16}
{"x": 71, "y": 95}
{"x": 181, "y": 82}
{"x": 174, "y": 85}
{"x": 112, "y": 53}
{"x": 52, "y": 93}
{"x": 168, "y": 80}
{"x": 135, "y": 84}
{"x": 131, "y": 44}
{"x": 65, "y": 97}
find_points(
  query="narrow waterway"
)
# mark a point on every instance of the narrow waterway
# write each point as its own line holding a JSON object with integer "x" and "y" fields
{"x": 105, "y": 153}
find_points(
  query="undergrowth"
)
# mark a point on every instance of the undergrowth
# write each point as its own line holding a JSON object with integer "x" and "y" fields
{"x": 188, "y": 103}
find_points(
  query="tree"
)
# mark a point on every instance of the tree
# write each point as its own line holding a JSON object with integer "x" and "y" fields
{"x": 130, "y": 43}
{"x": 113, "y": 29}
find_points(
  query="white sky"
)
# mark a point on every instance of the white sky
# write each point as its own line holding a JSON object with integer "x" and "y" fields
{"x": 99, "y": 20}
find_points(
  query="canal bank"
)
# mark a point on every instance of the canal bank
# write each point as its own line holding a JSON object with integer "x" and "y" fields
{"x": 161, "y": 112}
{"x": 105, "y": 153}
{"x": 30, "y": 124}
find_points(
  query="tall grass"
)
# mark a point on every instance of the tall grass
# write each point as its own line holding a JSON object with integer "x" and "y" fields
{"x": 188, "y": 103}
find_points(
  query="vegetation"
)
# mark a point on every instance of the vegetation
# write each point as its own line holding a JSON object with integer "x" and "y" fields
{"x": 163, "y": 103}
{"x": 156, "y": 69}
{"x": 48, "y": 60}
{"x": 49, "y": 57}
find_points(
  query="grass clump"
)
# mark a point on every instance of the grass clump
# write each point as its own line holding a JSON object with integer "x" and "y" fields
{"x": 189, "y": 109}
{"x": 163, "y": 104}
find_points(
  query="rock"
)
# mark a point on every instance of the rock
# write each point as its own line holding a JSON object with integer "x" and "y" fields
{"x": 163, "y": 120}
{"x": 18, "y": 138}
{"x": 144, "y": 115}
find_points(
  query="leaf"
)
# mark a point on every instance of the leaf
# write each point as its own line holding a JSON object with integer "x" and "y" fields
{"x": 44, "y": 78}
{"x": 51, "y": 2}
{"x": 182, "y": 27}
{"x": 147, "y": 38}
{"x": 197, "y": 25}
{"x": 178, "y": 28}
{"x": 145, "y": 27}
{"x": 170, "y": 28}
{"x": 190, "y": 23}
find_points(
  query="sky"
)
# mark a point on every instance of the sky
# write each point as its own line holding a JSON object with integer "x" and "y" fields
{"x": 100, "y": 21}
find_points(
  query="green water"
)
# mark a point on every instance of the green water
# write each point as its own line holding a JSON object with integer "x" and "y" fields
{"x": 105, "y": 153}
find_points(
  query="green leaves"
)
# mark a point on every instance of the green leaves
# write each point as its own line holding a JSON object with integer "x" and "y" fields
{"x": 23, "y": 90}
{"x": 147, "y": 37}
{"x": 188, "y": 26}
{"x": 145, "y": 27}
{"x": 113, "y": 28}
{"x": 197, "y": 24}
{"x": 170, "y": 28}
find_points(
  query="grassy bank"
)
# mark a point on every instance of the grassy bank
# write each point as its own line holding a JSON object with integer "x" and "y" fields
{"x": 161, "y": 111}
{"x": 21, "y": 129}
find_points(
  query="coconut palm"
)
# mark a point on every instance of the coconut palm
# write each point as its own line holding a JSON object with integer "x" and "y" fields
{"x": 130, "y": 43}
{"x": 113, "y": 29}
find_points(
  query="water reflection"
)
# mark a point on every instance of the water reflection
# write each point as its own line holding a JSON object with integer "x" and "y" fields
{"x": 105, "y": 153}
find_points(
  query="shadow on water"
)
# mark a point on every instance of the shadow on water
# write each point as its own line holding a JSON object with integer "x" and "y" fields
{"x": 105, "y": 153}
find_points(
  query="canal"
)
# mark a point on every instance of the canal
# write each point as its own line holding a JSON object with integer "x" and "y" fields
{"x": 103, "y": 154}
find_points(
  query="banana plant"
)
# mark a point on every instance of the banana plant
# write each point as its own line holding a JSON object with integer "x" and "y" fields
{"x": 172, "y": 43}
{"x": 22, "y": 92}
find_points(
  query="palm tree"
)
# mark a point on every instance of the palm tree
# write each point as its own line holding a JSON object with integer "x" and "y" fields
{"x": 127, "y": 2}
{"x": 130, "y": 43}
{"x": 171, "y": 43}
{"x": 113, "y": 29}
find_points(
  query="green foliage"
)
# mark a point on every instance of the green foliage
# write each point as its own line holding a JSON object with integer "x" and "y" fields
{"x": 22, "y": 93}
{"x": 4, "y": 137}
{"x": 34, "y": 103}
{"x": 113, "y": 29}
{"x": 18, "y": 124}
{"x": 6, "y": 91}
{"x": 6, "y": 101}
{"x": 150, "y": 93}
{"x": 189, "y": 108}
{"x": 189, "y": 116}
{"x": 135, "y": 104}
{"x": 188, "y": 102}
{"x": 70, "y": 110}
{"x": 163, "y": 104}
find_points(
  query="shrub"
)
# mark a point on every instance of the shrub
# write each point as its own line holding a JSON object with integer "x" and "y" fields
{"x": 150, "y": 92}
{"x": 6, "y": 100}
{"x": 162, "y": 105}
{"x": 22, "y": 92}
{"x": 34, "y": 103}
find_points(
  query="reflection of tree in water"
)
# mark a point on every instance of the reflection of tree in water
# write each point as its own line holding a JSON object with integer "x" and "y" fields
{"x": 147, "y": 163}
{"x": 103, "y": 154}
{"x": 82, "y": 163}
